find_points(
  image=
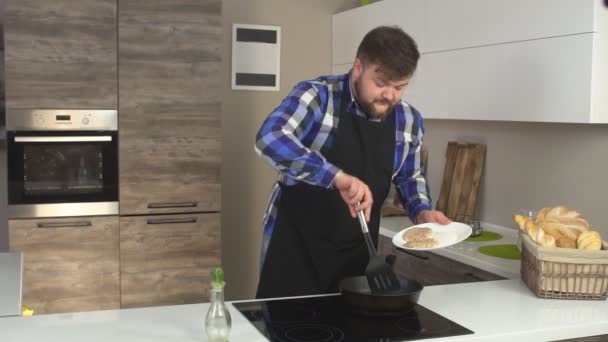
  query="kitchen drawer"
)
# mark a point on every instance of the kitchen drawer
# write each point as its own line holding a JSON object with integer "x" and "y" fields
{"x": 167, "y": 259}
{"x": 69, "y": 264}
{"x": 433, "y": 269}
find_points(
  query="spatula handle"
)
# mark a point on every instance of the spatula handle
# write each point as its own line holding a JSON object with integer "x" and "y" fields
{"x": 368, "y": 239}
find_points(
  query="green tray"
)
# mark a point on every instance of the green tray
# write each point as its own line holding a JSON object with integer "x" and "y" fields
{"x": 501, "y": 251}
{"x": 484, "y": 236}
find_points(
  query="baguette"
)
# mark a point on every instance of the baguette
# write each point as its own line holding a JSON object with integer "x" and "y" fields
{"x": 545, "y": 240}
{"x": 541, "y": 214}
{"x": 521, "y": 221}
{"x": 561, "y": 230}
{"x": 539, "y": 236}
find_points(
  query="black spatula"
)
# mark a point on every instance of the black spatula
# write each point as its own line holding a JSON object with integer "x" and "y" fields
{"x": 379, "y": 273}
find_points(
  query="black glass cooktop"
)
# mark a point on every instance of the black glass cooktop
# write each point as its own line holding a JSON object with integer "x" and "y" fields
{"x": 327, "y": 319}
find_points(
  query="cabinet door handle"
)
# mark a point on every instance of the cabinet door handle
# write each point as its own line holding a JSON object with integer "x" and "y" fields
{"x": 172, "y": 221}
{"x": 414, "y": 254}
{"x": 473, "y": 276}
{"x": 172, "y": 205}
{"x": 64, "y": 224}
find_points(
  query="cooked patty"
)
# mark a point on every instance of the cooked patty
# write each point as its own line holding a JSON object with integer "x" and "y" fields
{"x": 423, "y": 243}
{"x": 418, "y": 234}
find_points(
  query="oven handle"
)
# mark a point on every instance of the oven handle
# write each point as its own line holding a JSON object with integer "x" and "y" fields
{"x": 64, "y": 139}
{"x": 65, "y": 224}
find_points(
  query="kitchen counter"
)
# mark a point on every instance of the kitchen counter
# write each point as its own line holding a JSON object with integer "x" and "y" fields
{"x": 466, "y": 252}
{"x": 496, "y": 311}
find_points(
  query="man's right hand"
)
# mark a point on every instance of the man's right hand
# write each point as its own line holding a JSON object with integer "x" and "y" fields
{"x": 355, "y": 194}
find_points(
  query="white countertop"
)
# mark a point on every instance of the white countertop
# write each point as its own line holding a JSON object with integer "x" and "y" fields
{"x": 496, "y": 311}
{"x": 466, "y": 252}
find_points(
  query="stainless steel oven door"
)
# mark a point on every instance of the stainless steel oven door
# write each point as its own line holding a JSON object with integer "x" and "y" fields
{"x": 58, "y": 173}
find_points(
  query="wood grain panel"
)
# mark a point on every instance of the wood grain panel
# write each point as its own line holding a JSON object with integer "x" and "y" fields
{"x": 206, "y": 12}
{"x": 167, "y": 263}
{"x": 468, "y": 208}
{"x": 465, "y": 182}
{"x": 170, "y": 105}
{"x": 170, "y": 134}
{"x": 68, "y": 269}
{"x": 163, "y": 41}
{"x": 98, "y": 10}
{"x": 448, "y": 171}
{"x": 58, "y": 59}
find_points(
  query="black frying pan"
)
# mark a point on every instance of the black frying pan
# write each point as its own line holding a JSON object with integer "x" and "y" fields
{"x": 359, "y": 298}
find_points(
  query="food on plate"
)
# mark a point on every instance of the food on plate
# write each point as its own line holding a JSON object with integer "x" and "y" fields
{"x": 422, "y": 243}
{"x": 419, "y": 237}
{"x": 589, "y": 240}
{"x": 417, "y": 233}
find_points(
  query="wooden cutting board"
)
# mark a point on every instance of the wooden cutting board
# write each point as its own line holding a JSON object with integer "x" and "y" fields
{"x": 461, "y": 179}
{"x": 448, "y": 171}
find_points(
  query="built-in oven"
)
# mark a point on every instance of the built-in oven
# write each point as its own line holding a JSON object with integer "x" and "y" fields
{"x": 62, "y": 163}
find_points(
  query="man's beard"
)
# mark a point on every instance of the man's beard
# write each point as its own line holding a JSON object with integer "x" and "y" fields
{"x": 369, "y": 108}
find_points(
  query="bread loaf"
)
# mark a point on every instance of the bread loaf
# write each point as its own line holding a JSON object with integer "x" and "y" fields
{"x": 564, "y": 242}
{"x": 545, "y": 240}
{"x": 559, "y": 226}
{"x": 521, "y": 221}
{"x": 541, "y": 214}
{"x": 589, "y": 240}
{"x": 559, "y": 230}
{"x": 538, "y": 235}
{"x": 562, "y": 223}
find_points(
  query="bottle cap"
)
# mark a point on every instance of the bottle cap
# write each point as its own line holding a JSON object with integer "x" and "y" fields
{"x": 217, "y": 277}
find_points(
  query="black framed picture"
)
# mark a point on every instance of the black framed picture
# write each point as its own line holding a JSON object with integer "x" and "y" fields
{"x": 256, "y": 57}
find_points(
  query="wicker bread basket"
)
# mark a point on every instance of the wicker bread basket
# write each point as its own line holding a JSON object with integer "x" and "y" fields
{"x": 564, "y": 273}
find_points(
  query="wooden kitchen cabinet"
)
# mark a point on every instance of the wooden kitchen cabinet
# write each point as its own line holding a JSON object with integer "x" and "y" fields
{"x": 170, "y": 108}
{"x": 432, "y": 269}
{"x": 60, "y": 54}
{"x": 167, "y": 259}
{"x": 70, "y": 264}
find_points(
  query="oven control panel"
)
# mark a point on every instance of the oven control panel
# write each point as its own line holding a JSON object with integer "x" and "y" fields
{"x": 61, "y": 120}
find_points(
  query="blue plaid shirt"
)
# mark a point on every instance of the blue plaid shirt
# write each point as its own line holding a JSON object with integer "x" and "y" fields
{"x": 296, "y": 134}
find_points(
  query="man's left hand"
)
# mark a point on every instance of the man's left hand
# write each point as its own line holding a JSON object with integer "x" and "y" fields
{"x": 427, "y": 216}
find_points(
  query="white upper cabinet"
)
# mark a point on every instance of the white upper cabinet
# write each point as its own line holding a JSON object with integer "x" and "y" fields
{"x": 348, "y": 28}
{"x": 457, "y": 24}
{"x": 517, "y": 60}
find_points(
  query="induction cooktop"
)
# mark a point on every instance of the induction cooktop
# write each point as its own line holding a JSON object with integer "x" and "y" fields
{"x": 327, "y": 319}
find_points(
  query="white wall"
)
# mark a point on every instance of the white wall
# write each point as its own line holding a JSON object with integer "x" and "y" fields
{"x": 529, "y": 166}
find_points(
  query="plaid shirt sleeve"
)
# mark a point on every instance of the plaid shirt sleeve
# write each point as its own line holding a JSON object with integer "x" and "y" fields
{"x": 280, "y": 139}
{"x": 410, "y": 181}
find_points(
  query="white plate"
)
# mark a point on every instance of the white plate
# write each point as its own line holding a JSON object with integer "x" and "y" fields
{"x": 446, "y": 235}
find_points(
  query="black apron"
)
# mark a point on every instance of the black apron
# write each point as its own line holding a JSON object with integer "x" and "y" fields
{"x": 316, "y": 242}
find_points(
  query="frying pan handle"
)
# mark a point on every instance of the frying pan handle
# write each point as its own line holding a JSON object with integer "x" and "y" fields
{"x": 414, "y": 254}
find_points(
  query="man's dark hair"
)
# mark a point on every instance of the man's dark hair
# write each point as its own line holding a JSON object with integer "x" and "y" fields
{"x": 392, "y": 49}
